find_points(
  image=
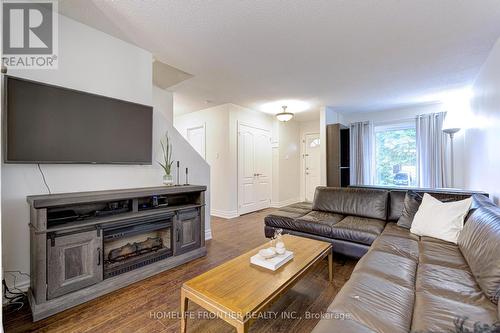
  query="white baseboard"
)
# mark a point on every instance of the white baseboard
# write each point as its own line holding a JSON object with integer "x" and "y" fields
{"x": 225, "y": 214}
{"x": 208, "y": 234}
{"x": 284, "y": 203}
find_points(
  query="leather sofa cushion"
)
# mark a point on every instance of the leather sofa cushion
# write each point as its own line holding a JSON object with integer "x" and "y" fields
{"x": 315, "y": 222}
{"x": 377, "y": 263}
{"x": 281, "y": 218}
{"x": 446, "y": 290}
{"x": 441, "y": 253}
{"x": 393, "y": 229}
{"x": 435, "y": 313}
{"x": 341, "y": 324}
{"x": 294, "y": 209}
{"x": 358, "y": 229}
{"x": 306, "y": 206}
{"x": 402, "y": 247}
{"x": 376, "y": 303}
{"x": 399, "y": 241}
{"x": 285, "y": 215}
{"x": 352, "y": 201}
{"x": 479, "y": 242}
{"x": 452, "y": 283}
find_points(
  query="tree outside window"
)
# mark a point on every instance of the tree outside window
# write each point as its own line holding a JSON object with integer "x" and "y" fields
{"x": 396, "y": 155}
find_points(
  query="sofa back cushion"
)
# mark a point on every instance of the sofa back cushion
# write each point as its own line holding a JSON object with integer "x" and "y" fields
{"x": 352, "y": 201}
{"x": 479, "y": 243}
{"x": 397, "y": 198}
{"x": 411, "y": 204}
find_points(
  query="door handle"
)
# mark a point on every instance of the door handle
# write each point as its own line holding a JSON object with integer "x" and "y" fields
{"x": 178, "y": 236}
{"x": 98, "y": 256}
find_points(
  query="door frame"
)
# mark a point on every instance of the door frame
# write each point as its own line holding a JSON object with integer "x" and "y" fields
{"x": 303, "y": 162}
{"x": 204, "y": 126}
{"x": 240, "y": 123}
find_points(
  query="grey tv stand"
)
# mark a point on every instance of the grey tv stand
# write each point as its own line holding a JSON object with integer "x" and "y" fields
{"x": 72, "y": 260}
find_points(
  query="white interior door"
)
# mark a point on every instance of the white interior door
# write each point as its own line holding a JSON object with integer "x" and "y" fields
{"x": 311, "y": 164}
{"x": 196, "y": 137}
{"x": 254, "y": 169}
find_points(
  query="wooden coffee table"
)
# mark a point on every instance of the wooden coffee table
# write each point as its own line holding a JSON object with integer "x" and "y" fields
{"x": 237, "y": 291}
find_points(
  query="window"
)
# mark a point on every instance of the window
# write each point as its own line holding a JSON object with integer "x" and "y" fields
{"x": 314, "y": 143}
{"x": 396, "y": 155}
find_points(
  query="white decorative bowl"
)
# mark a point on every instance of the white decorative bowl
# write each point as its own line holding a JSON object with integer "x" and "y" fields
{"x": 280, "y": 250}
{"x": 267, "y": 253}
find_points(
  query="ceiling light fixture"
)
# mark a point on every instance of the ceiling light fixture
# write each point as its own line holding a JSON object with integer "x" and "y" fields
{"x": 284, "y": 116}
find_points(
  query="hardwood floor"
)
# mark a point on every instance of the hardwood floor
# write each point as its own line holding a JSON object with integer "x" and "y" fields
{"x": 152, "y": 305}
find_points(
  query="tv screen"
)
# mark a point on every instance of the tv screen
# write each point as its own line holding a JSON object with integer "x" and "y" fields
{"x": 50, "y": 124}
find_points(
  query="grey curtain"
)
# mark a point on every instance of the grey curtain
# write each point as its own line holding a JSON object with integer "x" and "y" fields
{"x": 361, "y": 142}
{"x": 431, "y": 150}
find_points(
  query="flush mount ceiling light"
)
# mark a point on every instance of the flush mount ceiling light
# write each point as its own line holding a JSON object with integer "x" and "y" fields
{"x": 284, "y": 116}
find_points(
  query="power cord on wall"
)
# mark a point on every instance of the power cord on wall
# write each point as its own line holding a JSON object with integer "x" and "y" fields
{"x": 43, "y": 177}
{"x": 15, "y": 297}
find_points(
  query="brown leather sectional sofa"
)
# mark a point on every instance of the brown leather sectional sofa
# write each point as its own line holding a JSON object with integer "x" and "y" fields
{"x": 404, "y": 283}
{"x": 350, "y": 218}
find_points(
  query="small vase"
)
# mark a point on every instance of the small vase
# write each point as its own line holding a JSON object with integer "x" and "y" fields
{"x": 168, "y": 180}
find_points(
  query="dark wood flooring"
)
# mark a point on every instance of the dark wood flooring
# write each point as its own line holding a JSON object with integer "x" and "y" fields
{"x": 151, "y": 305}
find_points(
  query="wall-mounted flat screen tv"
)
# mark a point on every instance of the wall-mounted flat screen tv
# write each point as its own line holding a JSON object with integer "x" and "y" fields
{"x": 50, "y": 124}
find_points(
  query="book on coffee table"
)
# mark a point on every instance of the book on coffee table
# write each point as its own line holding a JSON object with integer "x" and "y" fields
{"x": 273, "y": 263}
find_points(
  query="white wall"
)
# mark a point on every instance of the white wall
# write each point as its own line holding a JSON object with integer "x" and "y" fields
{"x": 92, "y": 61}
{"x": 482, "y": 164}
{"x": 221, "y": 123}
{"x": 287, "y": 164}
{"x": 199, "y": 170}
{"x": 389, "y": 115}
{"x": 216, "y": 122}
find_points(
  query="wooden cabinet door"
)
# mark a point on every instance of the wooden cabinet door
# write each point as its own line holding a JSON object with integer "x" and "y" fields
{"x": 187, "y": 231}
{"x": 74, "y": 261}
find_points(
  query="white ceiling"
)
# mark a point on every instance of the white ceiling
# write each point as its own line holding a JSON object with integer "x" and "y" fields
{"x": 356, "y": 55}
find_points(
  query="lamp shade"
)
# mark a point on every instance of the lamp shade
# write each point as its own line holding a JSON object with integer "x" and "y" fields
{"x": 284, "y": 116}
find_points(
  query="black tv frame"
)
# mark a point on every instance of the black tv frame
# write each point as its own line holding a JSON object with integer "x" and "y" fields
{"x": 5, "y": 127}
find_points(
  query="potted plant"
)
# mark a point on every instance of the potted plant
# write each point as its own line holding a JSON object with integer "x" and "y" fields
{"x": 166, "y": 147}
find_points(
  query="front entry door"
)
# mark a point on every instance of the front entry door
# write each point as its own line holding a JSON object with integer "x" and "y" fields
{"x": 254, "y": 169}
{"x": 311, "y": 164}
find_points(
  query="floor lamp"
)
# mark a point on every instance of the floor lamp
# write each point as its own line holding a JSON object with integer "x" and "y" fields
{"x": 451, "y": 132}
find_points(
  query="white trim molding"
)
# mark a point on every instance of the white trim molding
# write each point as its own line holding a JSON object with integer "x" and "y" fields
{"x": 225, "y": 214}
{"x": 284, "y": 203}
{"x": 208, "y": 234}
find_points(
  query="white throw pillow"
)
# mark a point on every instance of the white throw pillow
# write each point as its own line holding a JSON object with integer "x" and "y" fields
{"x": 442, "y": 220}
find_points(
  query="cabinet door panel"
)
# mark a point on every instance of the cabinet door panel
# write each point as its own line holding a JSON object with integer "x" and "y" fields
{"x": 73, "y": 262}
{"x": 187, "y": 225}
